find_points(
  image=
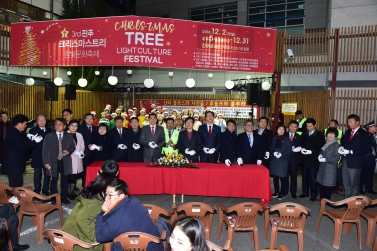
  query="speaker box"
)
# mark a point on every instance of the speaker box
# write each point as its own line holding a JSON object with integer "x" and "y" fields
{"x": 265, "y": 99}
{"x": 70, "y": 92}
{"x": 51, "y": 91}
{"x": 253, "y": 94}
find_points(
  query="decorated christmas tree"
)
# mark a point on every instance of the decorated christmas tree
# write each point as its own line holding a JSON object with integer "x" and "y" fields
{"x": 30, "y": 53}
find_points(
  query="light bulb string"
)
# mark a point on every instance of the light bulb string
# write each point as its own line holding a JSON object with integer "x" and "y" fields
{"x": 82, "y": 71}
{"x": 149, "y": 73}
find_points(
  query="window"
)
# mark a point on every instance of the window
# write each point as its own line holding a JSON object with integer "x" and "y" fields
{"x": 281, "y": 14}
{"x": 226, "y": 14}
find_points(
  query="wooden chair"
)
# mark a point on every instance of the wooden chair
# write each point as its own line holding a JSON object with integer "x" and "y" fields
{"x": 202, "y": 211}
{"x": 131, "y": 241}
{"x": 348, "y": 216}
{"x": 4, "y": 233}
{"x": 36, "y": 210}
{"x": 214, "y": 247}
{"x": 4, "y": 197}
{"x": 63, "y": 241}
{"x": 292, "y": 218}
{"x": 375, "y": 245}
{"x": 280, "y": 248}
{"x": 246, "y": 220}
{"x": 371, "y": 217}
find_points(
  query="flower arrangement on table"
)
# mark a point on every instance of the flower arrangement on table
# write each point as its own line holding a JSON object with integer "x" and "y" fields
{"x": 175, "y": 160}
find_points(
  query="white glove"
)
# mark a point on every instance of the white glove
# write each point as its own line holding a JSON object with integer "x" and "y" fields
{"x": 267, "y": 155}
{"x": 38, "y": 139}
{"x": 81, "y": 155}
{"x": 192, "y": 152}
{"x": 296, "y": 149}
{"x": 320, "y": 156}
{"x": 211, "y": 151}
{"x": 94, "y": 147}
{"x": 136, "y": 146}
{"x": 343, "y": 151}
{"x": 305, "y": 152}
{"x": 240, "y": 161}
{"x": 275, "y": 154}
{"x": 259, "y": 162}
{"x": 308, "y": 151}
{"x": 227, "y": 162}
{"x": 205, "y": 149}
{"x": 187, "y": 151}
{"x": 122, "y": 146}
{"x": 151, "y": 144}
{"x": 278, "y": 155}
{"x": 30, "y": 136}
{"x": 322, "y": 159}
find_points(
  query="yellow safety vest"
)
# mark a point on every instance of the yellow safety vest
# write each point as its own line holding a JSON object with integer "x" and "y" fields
{"x": 174, "y": 138}
{"x": 301, "y": 122}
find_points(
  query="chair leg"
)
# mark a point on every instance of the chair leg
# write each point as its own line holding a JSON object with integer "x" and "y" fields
{"x": 34, "y": 220}
{"x": 274, "y": 231}
{"x": 61, "y": 216}
{"x": 219, "y": 228}
{"x": 266, "y": 225}
{"x": 337, "y": 233}
{"x": 358, "y": 233}
{"x": 300, "y": 239}
{"x": 40, "y": 227}
{"x": 370, "y": 232}
{"x": 318, "y": 222}
{"x": 347, "y": 227}
{"x": 20, "y": 216}
{"x": 256, "y": 238}
{"x": 231, "y": 235}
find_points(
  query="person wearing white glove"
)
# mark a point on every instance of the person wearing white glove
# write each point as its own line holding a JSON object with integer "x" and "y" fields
{"x": 189, "y": 142}
{"x": 249, "y": 144}
{"x": 328, "y": 164}
{"x": 228, "y": 143}
{"x": 149, "y": 133}
{"x": 210, "y": 137}
{"x": 312, "y": 142}
{"x": 281, "y": 148}
{"x": 102, "y": 143}
{"x": 266, "y": 136}
{"x": 119, "y": 151}
{"x": 132, "y": 141}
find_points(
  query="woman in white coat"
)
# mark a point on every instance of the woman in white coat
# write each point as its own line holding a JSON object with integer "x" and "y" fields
{"x": 77, "y": 156}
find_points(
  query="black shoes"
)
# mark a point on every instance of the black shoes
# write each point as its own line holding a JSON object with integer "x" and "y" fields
{"x": 303, "y": 195}
{"x": 18, "y": 247}
{"x": 66, "y": 201}
{"x": 294, "y": 196}
{"x": 275, "y": 195}
{"x": 47, "y": 193}
{"x": 281, "y": 196}
{"x": 362, "y": 191}
{"x": 371, "y": 191}
{"x": 312, "y": 199}
{"x": 72, "y": 196}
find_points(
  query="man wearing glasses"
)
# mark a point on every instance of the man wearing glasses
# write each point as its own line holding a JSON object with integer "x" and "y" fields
{"x": 121, "y": 214}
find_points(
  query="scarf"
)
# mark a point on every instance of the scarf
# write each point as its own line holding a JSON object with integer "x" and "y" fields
{"x": 328, "y": 142}
{"x": 279, "y": 141}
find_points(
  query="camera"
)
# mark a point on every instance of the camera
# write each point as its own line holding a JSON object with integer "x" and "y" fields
{"x": 290, "y": 53}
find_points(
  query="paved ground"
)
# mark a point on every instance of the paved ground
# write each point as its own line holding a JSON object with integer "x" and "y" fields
{"x": 321, "y": 241}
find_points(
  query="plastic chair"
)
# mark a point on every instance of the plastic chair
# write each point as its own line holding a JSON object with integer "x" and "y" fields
{"x": 5, "y": 233}
{"x": 37, "y": 210}
{"x": 63, "y": 241}
{"x": 348, "y": 216}
{"x": 280, "y": 248}
{"x": 214, "y": 247}
{"x": 136, "y": 241}
{"x": 245, "y": 220}
{"x": 156, "y": 211}
{"x": 371, "y": 217}
{"x": 202, "y": 211}
{"x": 4, "y": 197}
{"x": 375, "y": 245}
{"x": 292, "y": 218}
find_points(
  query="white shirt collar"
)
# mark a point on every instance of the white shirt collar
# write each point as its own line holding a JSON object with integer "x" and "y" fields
{"x": 57, "y": 133}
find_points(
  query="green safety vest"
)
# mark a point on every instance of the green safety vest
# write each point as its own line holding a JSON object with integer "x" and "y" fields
{"x": 340, "y": 134}
{"x": 174, "y": 138}
{"x": 301, "y": 122}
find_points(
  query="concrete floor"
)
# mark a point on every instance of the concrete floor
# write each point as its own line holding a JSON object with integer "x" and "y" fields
{"x": 321, "y": 241}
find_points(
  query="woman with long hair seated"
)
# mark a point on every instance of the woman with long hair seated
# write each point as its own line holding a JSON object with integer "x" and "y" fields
{"x": 82, "y": 220}
{"x": 188, "y": 235}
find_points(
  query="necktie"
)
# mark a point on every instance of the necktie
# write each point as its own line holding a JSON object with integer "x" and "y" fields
{"x": 209, "y": 131}
{"x": 60, "y": 156}
{"x": 4, "y": 131}
{"x": 291, "y": 137}
{"x": 352, "y": 133}
{"x": 43, "y": 129}
{"x": 90, "y": 130}
{"x": 120, "y": 132}
{"x": 250, "y": 140}
{"x": 152, "y": 131}
{"x": 169, "y": 134}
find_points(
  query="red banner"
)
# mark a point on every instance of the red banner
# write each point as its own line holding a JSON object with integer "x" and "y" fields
{"x": 143, "y": 41}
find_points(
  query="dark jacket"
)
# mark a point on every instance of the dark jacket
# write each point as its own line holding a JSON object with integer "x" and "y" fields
{"x": 279, "y": 166}
{"x": 103, "y": 141}
{"x": 134, "y": 138}
{"x": 128, "y": 216}
{"x": 249, "y": 155}
{"x": 194, "y": 144}
{"x": 359, "y": 145}
{"x": 295, "y": 157}
{"x": 83, "y": 129}
{"x": 36, "y": 154}
{"x": 313, "y": 143}
{"x": 228, "y": 146}
{"x": 118, "y": 154}
{"x": 210, "y": 142}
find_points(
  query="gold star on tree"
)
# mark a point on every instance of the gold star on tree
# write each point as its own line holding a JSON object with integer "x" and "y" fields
{"x": 64, "y": 33}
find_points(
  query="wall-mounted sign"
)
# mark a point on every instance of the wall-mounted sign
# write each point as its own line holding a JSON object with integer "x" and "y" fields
{"x": 289, "y": 108}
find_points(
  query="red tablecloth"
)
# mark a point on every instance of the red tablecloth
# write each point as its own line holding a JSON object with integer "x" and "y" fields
{"x": 247, "y": 181}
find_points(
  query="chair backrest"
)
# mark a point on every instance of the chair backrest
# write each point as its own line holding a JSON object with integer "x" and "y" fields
{"x": 214, "y": 247}
{"x": 3, "y": 193}
{"x": 247, "y": 213}
{"x": 196, "y": 209}
{"x": 355, "y": 205}
{"x": 63, "y": 241}
{"x": 290, "y": 214}
{"x": 156, "y": 211}
{"x": 25, "y": 197}
{"x": 136, "y": 240}
{"x": 280, "y": 248}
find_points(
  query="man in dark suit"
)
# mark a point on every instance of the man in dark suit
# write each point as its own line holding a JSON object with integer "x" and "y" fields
{"x": 312, "y": 142}
{"x": 189, "y": 142}
{"x": 294, "y": 159}
{"x": 87, "y": 130}
{"x": 228, "y": 143}
{"x": 249, "y": 146}
{"x": 56, "y": 153}
{"x": 119, "y": 151}
{"x": 36, "y": 157}
{"x": 367, "y": 173}
{"x": 16, "y": 146}
{"x": 354, "y": 146}
{"x": 266, "y": 139}
{"x": 5, "y": 125}
{"x": 152, "y": 138}
{"x": 67, "y": 115}
{"x": 135, "y": 149}
{"x": 210, "y": 137}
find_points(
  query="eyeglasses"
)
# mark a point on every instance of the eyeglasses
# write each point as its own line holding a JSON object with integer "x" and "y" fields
{"x": 111, "y": 195}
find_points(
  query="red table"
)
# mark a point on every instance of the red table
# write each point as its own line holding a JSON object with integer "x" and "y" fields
{"x": 247, "y": 181}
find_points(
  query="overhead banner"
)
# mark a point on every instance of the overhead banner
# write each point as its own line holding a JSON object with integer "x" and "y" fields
{"x": 143, "y": 41}
{"x": 229, "y": 108}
